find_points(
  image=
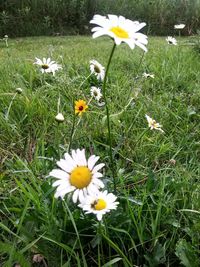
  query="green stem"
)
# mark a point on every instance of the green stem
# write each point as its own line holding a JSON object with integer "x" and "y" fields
{"x": 140, "y": 137}
{"x": 11, "y": 102}
{"x": 72, "y": 132}
{"x": 108, "y": 117}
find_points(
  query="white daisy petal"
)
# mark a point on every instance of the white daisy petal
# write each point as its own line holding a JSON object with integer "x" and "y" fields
{"x": 62, "y": 193}
{"x": 99, "y": 183}
{"x": 59, "y": 174}
{"x": 69, "y": 160}
{"x": 75, "y": 195}
{"x": 98, "y": 167}
{"x": 97, "y": 175}
{"x": 57, "y": 183}
{"x": 99, "y": 216}
{"x": 81, "y": 196}
{"x": 92, "y": 161}
{"x": 63, "y": 165}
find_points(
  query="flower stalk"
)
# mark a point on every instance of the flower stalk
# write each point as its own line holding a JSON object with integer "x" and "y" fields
{"x": 108, "y": 117}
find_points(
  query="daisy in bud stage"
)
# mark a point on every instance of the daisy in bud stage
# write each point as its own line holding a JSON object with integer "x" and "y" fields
{"x": 59, "y": 117}
{"x": 99, "y": 203}
{"x": 171, "y": 40}
{"x": 77, "y": 175}
{"x": 120, "y": 29}
{"x": 47, "y": 66}
{"x": 153, "y": 124}
{"x": 97, "y": 69}
{"x": 80, "y": 107}
{"x": 96, "y": 93}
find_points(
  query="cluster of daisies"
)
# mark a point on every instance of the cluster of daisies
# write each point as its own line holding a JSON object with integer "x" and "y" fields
{"x": 82, "y": 178}
{"x": 77, "y": 176}
{"x": 48, "y": 66}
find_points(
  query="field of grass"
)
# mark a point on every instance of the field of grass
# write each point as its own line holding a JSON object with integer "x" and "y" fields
{"x": 157, "y": 219}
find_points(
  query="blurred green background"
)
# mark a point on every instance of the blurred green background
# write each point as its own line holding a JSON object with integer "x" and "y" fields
{"x": 64, "y": 17}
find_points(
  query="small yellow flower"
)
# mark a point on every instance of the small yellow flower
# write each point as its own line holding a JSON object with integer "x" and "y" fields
{"x": 80, "y": 107}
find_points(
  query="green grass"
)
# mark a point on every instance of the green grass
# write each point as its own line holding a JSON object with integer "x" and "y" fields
{"x": 157, "y": 221}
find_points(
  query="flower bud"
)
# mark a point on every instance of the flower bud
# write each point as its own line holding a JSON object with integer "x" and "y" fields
{"x": 19, "y": 90}
{"x": 59, "y": 117}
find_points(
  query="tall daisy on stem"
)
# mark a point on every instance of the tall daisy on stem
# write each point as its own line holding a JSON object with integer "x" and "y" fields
{"x": 121, "y": 30}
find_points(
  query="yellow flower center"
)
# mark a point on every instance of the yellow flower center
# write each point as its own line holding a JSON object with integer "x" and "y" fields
{"x": 45, "y": 66}
{"x": 99, "y": 204}
{"x": 80, "y": 177}
{"x": 119, "y": 32}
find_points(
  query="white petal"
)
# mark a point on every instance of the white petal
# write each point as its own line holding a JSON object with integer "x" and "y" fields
{"x": 59, "y": 174}
{"x": 99, "y": 33}
{"x": 75, "y": 195}
{"x": 92, "y": 189}
{"x": 92, "y": 161}
{"x": 63, "y": 164}
{"x": 81, "y": 196}
{"x": 141, "y": 46}
{"x": 57, "y": 183}
{"x": 98, "y": 167}
{"x": 69, "y": 160}
{"x": 62, "y": 193}
{"x": 98, "y": 182}
{"x": 117, "y": 40}
{"x": 97, "y": 175}
{"x": 99, "y": 216}
{"x": 81, "y": 159}
{"x": 130, "y": 42}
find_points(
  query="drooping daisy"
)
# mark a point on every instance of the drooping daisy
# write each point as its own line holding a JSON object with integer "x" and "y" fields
{"x": 77, "y": 175}
{"x": 97, "y": 69}
{"x": 80, "y": 107}
{"x": 171, "y": 40}
{"x": 47, "y": 66}
{"x": 179, "y": 26}
{"x": 153, "y": 124}
{"x": 19, "y": 90}
{"x": 59, "y": 117}
{"x": 120, "y": 29}
{"x": 99, "y": 203}
{"x": 148, "y": 75}
{"x": 96, "y": 93}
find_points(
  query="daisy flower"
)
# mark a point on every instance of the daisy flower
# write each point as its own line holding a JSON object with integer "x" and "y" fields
{"x": 47, "y": 65}
{"x": 179, "y": 26}
{"x": 120, "y": 29}
{"x": 19, "y": 90}
{"x": 171, "y": 40}
{"x": 99, "y": 203}
{"x": 96, "y": 93}
{"x": 153, "y": 124}
{"x": 148, "y": 75}
{"x": 80, "y": 107}
{"x": 97, "y": 69}
{"x": 77, "y": 175}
